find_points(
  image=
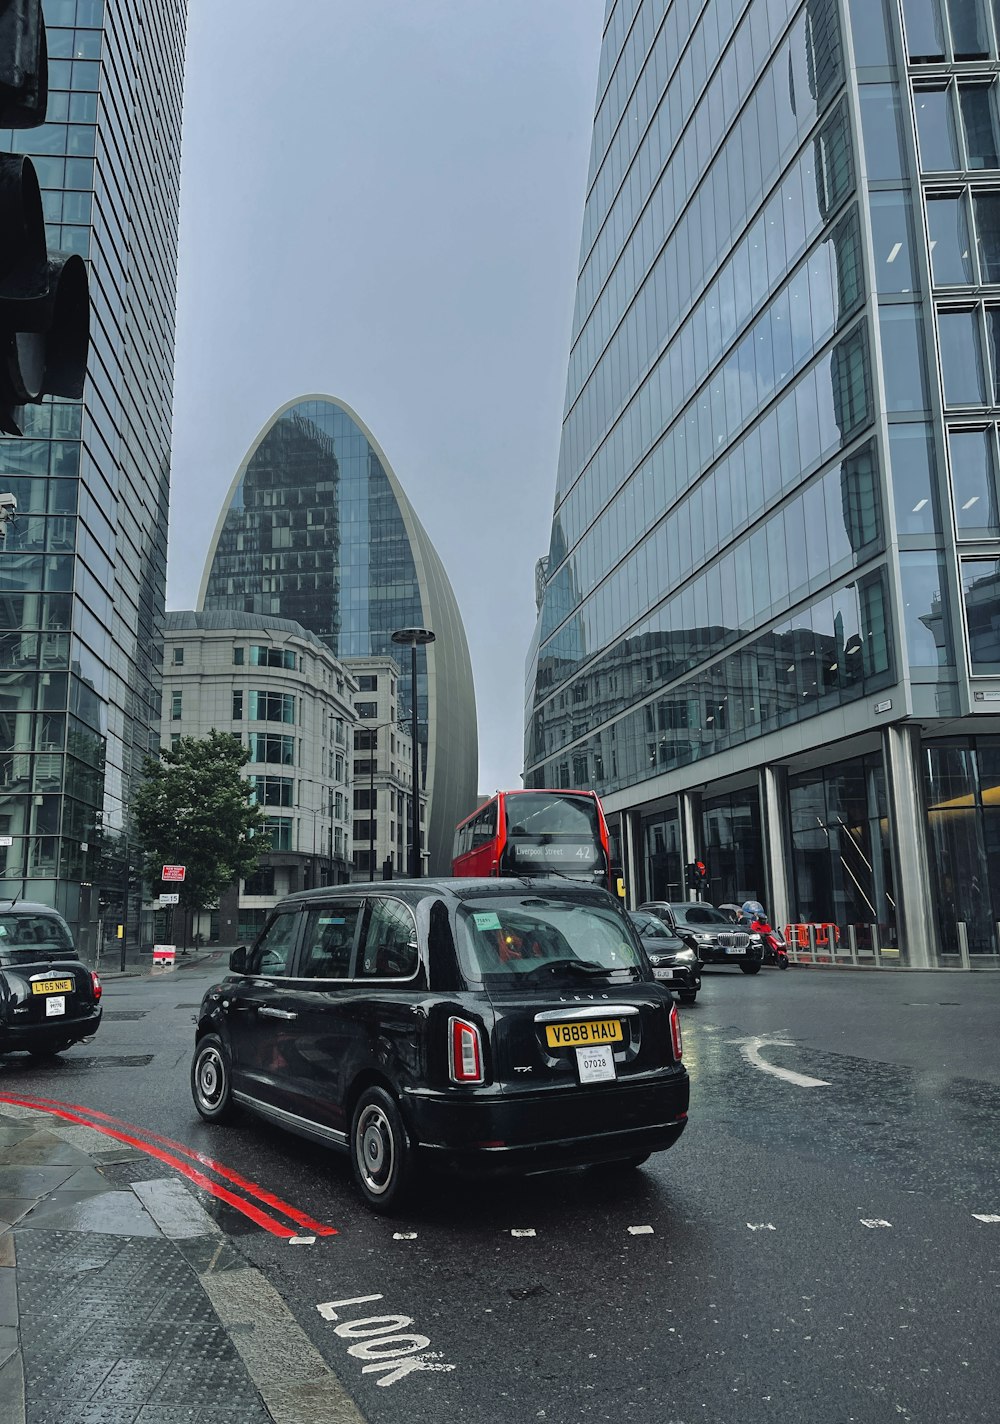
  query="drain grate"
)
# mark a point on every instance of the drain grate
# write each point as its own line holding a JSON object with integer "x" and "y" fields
{"x": 124, "y": 1015}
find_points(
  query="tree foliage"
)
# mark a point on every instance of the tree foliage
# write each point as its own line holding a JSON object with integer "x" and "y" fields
{"x": 194, "y": 809}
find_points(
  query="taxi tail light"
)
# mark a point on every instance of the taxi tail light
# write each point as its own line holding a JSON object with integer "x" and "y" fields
{"x": 96, "y": 983}
{"x": 675, "y": 1033}
{"x": 465, "y": 1052}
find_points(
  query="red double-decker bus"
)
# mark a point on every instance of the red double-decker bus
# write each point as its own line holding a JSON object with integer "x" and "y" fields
{"x": 536, "y": 833}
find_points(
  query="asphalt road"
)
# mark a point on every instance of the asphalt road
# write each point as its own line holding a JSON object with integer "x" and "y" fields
{"x": 809, "y": 1251}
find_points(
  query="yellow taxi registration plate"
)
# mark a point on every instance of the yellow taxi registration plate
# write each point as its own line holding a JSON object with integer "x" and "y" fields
{"x": 52, "y": 986}
{"x": 579, "y": 1035}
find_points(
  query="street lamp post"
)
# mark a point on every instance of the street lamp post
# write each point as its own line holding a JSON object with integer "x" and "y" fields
{"x": 415, "y": 637}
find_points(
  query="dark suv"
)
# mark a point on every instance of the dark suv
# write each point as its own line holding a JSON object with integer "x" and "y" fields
{"x": 484, "y": 1025}
{"x": 710, "y": 933}
{"x": 48, "y": 999}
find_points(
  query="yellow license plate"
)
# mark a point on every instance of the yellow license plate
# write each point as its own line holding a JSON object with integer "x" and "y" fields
{"x": 577, "y": 1035}
{"x": 52, "y": 986}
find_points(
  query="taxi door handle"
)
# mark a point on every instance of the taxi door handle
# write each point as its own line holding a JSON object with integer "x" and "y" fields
{"x": 267, "y": 1013}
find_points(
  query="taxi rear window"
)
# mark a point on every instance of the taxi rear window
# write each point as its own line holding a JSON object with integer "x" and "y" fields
{"x": 24, "y": 936}
{"x": 544, "y": 937}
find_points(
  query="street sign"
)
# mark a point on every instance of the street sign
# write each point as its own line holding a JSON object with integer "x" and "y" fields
{"x": 170, "y": 899}
{"x": 6, "y": 840}
{"x": 172, "y": 872}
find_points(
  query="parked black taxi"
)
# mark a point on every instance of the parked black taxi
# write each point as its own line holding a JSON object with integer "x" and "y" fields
{"x": 49, "y": 1000}
{"x": 478, "y": 1025}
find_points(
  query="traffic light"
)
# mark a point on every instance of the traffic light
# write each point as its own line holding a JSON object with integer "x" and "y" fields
{"x": 44, "y": 297}
{"x": 697, "y": 876}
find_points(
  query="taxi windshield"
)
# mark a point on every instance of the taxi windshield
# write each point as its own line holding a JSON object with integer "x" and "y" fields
{"x": 25, "y": 936}
{"x": 545, "y": 937}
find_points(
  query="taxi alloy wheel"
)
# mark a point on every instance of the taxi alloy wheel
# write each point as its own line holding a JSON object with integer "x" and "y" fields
{"x": 381, "y": 1156}
{"x": 211, "y": 1080}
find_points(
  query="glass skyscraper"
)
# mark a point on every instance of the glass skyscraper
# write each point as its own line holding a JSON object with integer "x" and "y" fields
{"x": 82, "y": 576}
{"x": 317, "y": 528}
{"x": 769, "y": 616}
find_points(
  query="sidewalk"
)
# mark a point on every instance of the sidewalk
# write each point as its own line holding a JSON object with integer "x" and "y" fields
{"x": 129, "y": 1305}
{"x": 140, "y": 962}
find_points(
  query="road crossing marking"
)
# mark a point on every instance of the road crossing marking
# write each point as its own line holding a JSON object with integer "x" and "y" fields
{"x": 750, "y": 1049}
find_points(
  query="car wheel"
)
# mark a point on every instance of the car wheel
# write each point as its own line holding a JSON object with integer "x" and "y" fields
{"x": 687, "y": 996}
{"x": 783, "y": 961}
{"x": 750, "y": 968}
{"x": 381, "y": 1155}
{"x": 212, "y": 1080}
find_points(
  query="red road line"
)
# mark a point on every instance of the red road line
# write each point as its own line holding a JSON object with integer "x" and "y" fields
{"x": 276, "y": 1228}
{"x": 261, "y": 1193}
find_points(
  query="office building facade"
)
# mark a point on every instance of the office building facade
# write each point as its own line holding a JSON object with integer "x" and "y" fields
{"x": 383, "y": 775}
{"x": 83, "y": 573}
{"x": 281, "y": 691}
{"x": 317, "y": 528}
{"x": 769, "y": 612}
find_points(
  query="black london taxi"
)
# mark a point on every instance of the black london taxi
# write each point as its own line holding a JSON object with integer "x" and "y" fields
{"x": 482, "y": 1026}
{"x": 49, "y": 1000}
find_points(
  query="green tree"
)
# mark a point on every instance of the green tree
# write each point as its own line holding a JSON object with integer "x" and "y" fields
{"x": 194, "y": 809}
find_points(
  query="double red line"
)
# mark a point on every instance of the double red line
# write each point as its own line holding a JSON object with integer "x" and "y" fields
{"x": 173, "y": 1154}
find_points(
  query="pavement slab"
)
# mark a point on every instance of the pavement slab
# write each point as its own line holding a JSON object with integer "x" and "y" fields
{"x": 126, "y": 1304}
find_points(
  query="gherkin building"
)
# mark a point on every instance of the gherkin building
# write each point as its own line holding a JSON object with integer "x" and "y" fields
{"x": 317, "y": 528}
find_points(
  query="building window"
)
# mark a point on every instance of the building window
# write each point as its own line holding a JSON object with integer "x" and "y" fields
{"x": 981, "y": 594}
{"x": 973, "y": 455}
{"x": 272, "y": 790}
{"x": 177, "y": 657}
{"x": 238, "y": 654}
{"x": 265, "y": 655}
{"x": 961, "y": 357}
{"x": 273, "y": 748}
{"x": 175, "y": 741}
{"x": 272, "y": 707}
{"x": 367, "y": 682}
{"x": 338, "y": 767}
{"x": 279, "y": 830}
{"x": 176, "y": 702}
{"x": 366, "y": 709}
{"x": 364, "y": 830}
{"x": 366, "y": 799}
{"x": 261, "y": 882}
{"x": 237, "y": 706}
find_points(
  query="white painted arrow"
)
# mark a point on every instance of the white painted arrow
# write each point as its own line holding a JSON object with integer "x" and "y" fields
{"x": 750, "y": 1048}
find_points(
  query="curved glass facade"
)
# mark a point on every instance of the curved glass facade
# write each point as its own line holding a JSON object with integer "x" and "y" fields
{"x": 317, "y": 529}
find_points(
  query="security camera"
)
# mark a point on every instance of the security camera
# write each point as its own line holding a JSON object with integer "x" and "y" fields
{"x": 8, "y": 505}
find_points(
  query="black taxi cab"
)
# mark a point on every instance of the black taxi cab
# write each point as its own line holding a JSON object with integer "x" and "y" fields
{"x": 49, "y": 999}
{"x": 477, "y": 1025}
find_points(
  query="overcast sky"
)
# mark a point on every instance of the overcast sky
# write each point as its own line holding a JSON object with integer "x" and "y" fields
{"x": 381, "y": 201}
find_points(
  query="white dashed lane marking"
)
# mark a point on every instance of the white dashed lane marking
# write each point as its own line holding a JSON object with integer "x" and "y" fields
{"x": 640, "y": 1231}
{"x": 302, "y": 1241}
{"x": 987, "y": 1216}
{"x": 761, "y": 1226}
{"x": 523, "y": 1231}
{"x": 404, "y": 1236}
{"x": 874, "y": 1221}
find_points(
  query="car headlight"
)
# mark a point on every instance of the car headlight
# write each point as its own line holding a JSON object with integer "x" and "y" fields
{"x": 756, "y": 939}
{"x": 685, "y": 954}
{"x": 704, "y": 938}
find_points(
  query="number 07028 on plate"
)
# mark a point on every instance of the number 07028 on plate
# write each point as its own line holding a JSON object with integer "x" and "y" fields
{"x": 579, "y": 1035}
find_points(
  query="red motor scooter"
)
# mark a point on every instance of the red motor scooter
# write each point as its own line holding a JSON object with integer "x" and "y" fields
{"x": 775, "y": 948}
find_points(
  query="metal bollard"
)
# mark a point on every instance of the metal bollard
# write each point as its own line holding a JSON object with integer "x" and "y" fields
{"x": 876, "y": 950}
{"x": 852, "y": 943}
{"x": 812, "y": 944}
{"x": 963, "y": 944}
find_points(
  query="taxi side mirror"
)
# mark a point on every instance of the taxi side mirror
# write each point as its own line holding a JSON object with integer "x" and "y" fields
{"x": 238, "y": 960}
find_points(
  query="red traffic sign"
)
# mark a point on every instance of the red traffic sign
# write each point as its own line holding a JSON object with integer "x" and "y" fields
{"x": 172, "y": 872}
